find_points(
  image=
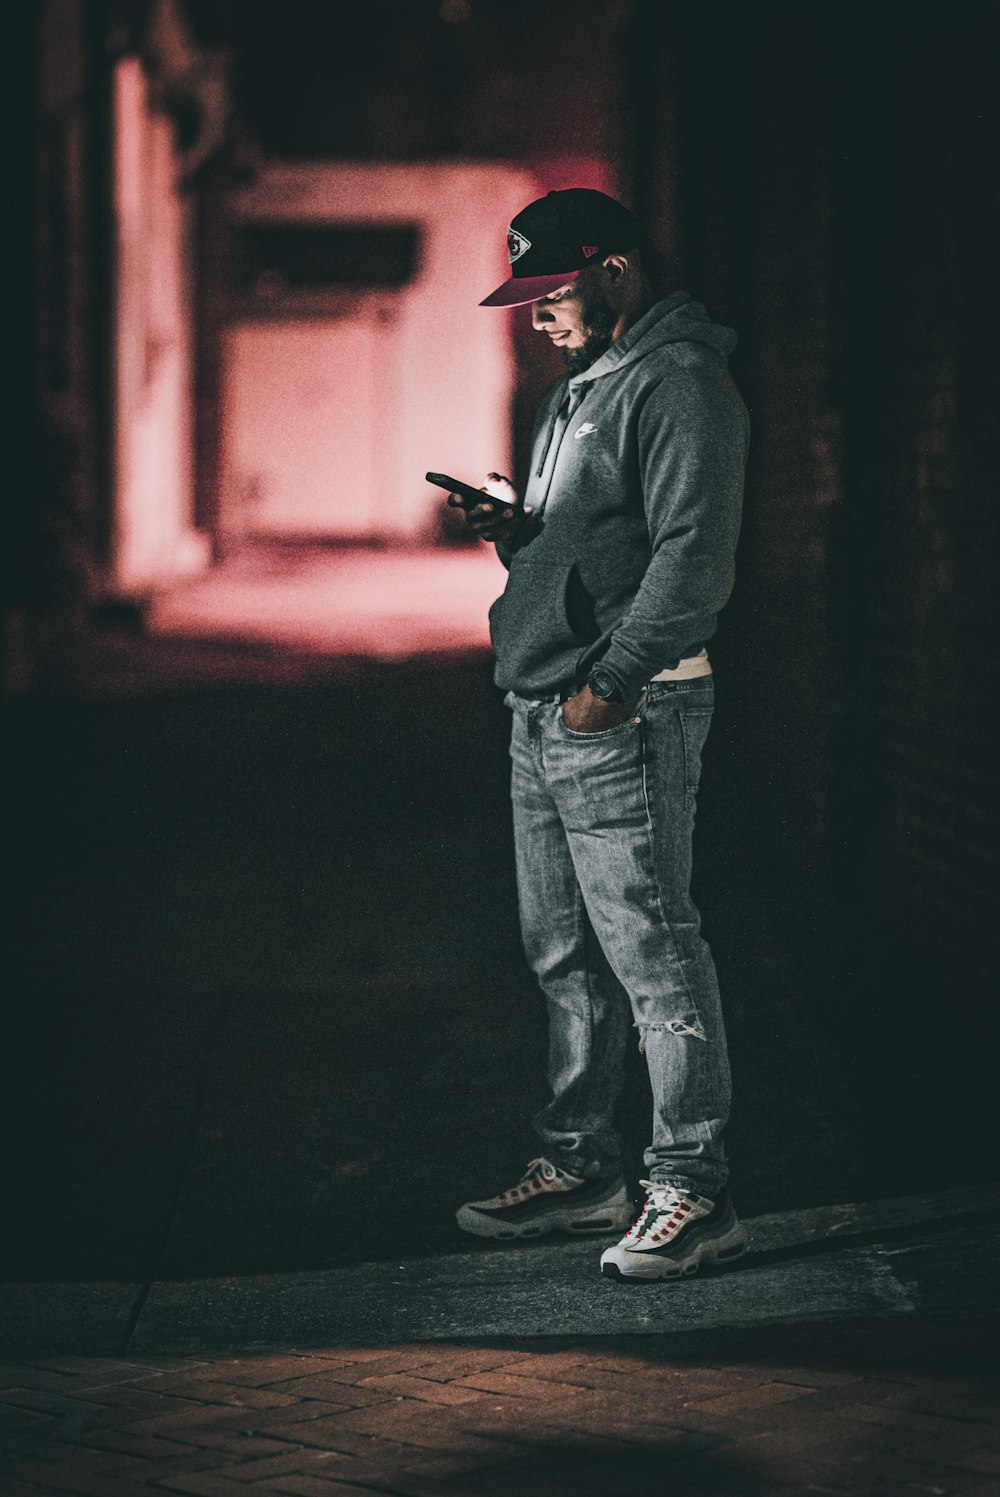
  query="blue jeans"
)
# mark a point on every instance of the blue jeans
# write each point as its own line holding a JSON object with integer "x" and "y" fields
{"x": 603, "y": 826}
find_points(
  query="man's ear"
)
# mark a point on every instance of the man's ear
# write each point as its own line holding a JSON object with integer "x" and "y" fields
{"x": 616, "y": 266}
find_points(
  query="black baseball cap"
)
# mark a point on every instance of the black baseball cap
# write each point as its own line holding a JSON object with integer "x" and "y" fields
{"x": 556, "y": 237}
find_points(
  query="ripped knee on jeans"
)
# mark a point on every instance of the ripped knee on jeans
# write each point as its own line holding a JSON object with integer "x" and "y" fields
{"x": 690, "y": 1026}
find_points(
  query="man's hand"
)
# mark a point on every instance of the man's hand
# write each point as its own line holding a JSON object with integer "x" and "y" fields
{"x": 498, "y": 517}
{"x": 586, "y": 713}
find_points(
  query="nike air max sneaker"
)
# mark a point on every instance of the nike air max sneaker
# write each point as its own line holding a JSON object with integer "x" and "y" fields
{"x": 674, "y": 1234}
{"x": 547, "y": 1199}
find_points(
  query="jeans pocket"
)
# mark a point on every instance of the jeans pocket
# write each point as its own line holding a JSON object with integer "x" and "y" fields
{"x": 695, "y": 723}
{"x": 619, "y": 730}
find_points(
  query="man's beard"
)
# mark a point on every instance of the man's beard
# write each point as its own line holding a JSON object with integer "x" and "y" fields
{"x": 599, "y": 319}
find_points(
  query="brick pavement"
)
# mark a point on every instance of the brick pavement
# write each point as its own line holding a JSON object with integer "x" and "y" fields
{"x": 871, "y": 1408}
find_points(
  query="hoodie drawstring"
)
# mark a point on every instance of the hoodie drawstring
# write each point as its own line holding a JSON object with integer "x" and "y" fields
{"x": 557, "y": 430}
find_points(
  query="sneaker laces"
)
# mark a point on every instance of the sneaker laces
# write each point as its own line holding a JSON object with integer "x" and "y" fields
{"x": 663, "y": 1201}
{"x": 539, "y": 1174}
{"x": 664, "y": 1197}
{"x": 545, "y": 1168}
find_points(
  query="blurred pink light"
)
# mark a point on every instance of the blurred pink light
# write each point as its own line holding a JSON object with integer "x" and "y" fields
{"x": 386, "y": 605}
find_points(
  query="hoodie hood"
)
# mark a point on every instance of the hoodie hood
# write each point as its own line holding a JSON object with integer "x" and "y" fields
{"x": 677, "y": 318}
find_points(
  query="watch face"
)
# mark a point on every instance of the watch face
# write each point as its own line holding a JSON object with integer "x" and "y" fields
{"x": 602, "y": 685}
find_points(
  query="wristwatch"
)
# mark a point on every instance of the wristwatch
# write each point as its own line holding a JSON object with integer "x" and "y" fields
{"x": 603, "y": 684}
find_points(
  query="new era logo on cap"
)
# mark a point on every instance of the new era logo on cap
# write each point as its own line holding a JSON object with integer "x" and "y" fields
{"x": 517, "y": 245}
{"x": 590, "y": 249}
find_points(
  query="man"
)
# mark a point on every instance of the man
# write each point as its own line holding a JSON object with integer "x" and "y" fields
{"x": 619, "y": 562}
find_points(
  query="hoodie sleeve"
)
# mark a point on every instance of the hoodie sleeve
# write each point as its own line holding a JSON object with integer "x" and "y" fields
{"x": 693, "y": 438}
{"x": 528, "y": 529}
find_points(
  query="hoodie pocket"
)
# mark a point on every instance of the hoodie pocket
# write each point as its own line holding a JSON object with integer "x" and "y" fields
{"x": 579, "y": 607}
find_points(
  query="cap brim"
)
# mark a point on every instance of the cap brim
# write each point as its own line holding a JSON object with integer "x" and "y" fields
{"x": 518, "y": 291}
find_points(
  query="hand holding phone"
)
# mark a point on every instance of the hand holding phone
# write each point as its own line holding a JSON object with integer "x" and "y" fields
{"x": 469, "y": 496}
{"x": 491, "y": 516}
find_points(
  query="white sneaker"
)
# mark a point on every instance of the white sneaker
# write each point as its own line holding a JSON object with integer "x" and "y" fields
{"x": 547, "y": 1199}
{"x": 674, "y": 1234}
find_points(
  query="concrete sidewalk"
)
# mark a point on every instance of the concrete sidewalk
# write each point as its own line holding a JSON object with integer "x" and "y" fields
{"x": 820, "y": 1263}
{"x": 853, "y": 1351}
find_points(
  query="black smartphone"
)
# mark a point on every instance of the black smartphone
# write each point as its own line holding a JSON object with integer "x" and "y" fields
{"x": 469, "y": 494}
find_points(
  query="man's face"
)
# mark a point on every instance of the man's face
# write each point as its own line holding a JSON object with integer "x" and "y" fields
{"x": 578, "y": 318}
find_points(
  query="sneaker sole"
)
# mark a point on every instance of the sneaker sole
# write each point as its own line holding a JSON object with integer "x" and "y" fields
{"x": 647, "y": 1267}
{"x": 600, "y": 1221}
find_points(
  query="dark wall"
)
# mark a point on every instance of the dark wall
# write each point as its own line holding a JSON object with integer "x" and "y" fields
{"x": 58, "y": 526}
{"x": 415, "y": 80}
{"x": 839, "y": 202}
{"x": 918, "y": 543}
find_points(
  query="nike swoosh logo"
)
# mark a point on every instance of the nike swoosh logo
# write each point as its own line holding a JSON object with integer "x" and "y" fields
{"x": 584, "y": 430}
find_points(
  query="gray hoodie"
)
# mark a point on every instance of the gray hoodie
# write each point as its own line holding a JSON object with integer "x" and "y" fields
{"x": 637, "y": 484}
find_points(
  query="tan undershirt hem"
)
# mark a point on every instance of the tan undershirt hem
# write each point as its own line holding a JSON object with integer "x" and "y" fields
{"x": 691, "y": 665}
